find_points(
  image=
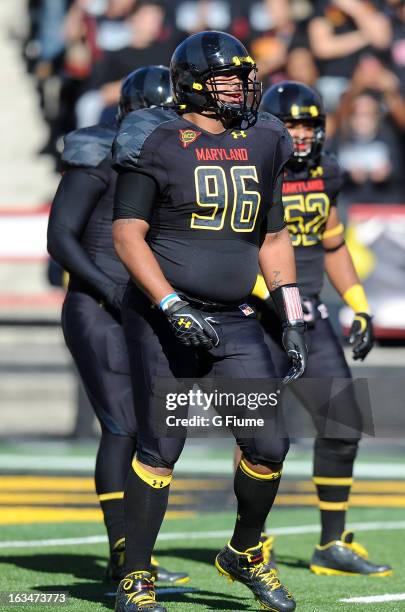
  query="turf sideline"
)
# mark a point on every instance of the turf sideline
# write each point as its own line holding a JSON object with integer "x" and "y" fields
{"x": 375, "y": 598}
{"x": 197, "y": 535}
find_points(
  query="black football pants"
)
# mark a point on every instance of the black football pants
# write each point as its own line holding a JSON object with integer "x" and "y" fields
{"x": 326, "y": 361}
{"x": 97, "y": 344}
{"x": 155, "y": 353}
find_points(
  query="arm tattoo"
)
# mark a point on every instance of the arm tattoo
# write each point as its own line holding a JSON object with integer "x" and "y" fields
{"x": 276, "y": 282}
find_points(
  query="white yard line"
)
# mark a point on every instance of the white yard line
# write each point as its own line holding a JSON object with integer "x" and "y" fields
{"x": 198, "y": 535}
{"x": 190, "y": 466}
{"x": 375, "y": 598}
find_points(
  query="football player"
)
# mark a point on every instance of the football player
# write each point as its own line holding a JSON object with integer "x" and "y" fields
{"x": 80, "y": 239}
{"x": 312, "y": 180}
{"x": 197, "y": 209}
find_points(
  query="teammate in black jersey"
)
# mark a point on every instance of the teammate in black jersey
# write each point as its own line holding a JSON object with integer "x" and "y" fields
{"x": 197, "y": 208}
{"x": 312, "y": 181}
{"x": 80, "y": 239}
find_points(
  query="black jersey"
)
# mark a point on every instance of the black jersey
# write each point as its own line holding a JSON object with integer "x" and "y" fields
{"x": 89, "y": 149}
{"x": 215, "y": 197}
{"x": 307, "y": 198}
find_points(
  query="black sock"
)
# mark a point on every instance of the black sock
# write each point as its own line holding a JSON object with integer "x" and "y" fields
{"x": 333, "y": 469}
{"x": 145, "y": 502}
{"x": 255, "y": 494}
{"x": 333, "y": 524}
{"x": 113, "y": 463}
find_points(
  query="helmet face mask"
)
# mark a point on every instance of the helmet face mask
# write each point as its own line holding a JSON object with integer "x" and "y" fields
{"x": 234, "y": 98}
{"x": 296, "y": 104}
{"x": 147, "y": 87}
{"x": 303, "y": 133}
{"x": 213, "y": 75}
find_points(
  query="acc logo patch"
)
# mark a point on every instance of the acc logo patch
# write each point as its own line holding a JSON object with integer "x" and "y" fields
{"x": 187, "y": 137}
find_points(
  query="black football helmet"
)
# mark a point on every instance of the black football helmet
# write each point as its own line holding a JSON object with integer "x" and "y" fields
{"x": 144, "y": 88}
{"x": 208, "y": 55}
{"x": 292, "y": 101}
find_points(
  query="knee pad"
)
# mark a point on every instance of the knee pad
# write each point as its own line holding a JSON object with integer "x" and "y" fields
{"x": 163, "y": 453}
{"x": 269, "y": 453}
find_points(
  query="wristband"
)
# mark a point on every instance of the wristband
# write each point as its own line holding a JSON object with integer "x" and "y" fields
{"x": 171, "y": 297}
{"x": 287, "y": 301}
{"x": 356, "y": 298}
{"x": 334, "y": 231}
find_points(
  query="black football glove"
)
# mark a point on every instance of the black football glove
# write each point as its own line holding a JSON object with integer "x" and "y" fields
{"x": 191, "y": 326}
{"x": 296, "y": 349}
{"x": 361, "y": 335}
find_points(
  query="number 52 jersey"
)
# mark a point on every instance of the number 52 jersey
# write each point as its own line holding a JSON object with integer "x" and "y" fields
{"x": 215, "y": 199}
{"x": 308, "y": 196}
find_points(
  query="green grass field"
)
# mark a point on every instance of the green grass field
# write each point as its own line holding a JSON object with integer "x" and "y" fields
{"x": 53, "y": 482}
{"x": 78, "y": 568}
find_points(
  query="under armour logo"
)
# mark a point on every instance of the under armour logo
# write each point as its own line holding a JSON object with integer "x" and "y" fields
{"x": 184, "y": 323}
{"x": 157, "y": 483}
{"x": 241, "y": 133}
{"x": 318, "y": 171}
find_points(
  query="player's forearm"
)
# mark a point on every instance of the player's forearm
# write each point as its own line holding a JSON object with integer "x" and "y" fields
{"x": 139, "y": 259}
{"x": 75, "y": 200}
{"x": 340, "y": 270}
{"x": 276, "y": 260}
{"x": 65, "y": 248}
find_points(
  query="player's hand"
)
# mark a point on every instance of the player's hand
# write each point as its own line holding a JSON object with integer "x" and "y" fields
{"x": 296, "y": 349}
{"x": 191, "y": 326}
{"x": 361, "y": 335}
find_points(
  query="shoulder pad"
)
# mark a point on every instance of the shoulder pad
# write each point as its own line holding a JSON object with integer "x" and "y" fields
{"x": 135, "y": 129}
{"x": 88, "y": 146}
{"x": 268, "y": 120}
{"x": 330, "y": 163}
{"x": 285, "y": 142}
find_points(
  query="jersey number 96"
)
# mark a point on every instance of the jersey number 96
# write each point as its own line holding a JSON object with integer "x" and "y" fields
{"x": 211, "y": 187}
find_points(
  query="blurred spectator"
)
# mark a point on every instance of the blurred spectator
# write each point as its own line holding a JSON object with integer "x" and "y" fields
{"x": 274, "y": 23}
{"x": 276, "y": 26}
{"x": 51, "y": 18}
{"x": 197, "y": 15}
{"x": 371, "y": 74}
{"x": 272, "y": 28}
{"x": 81, "y": 49}
{"x": 301, "y": 64}
{"x": 398, "y": 43}
{"x": 112, "y": 31}
{"x": 150, "y": 42}
{"x": 369, "y": 151}
{"x": 94, "y": 26}
{"x": 338, "y": 33}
